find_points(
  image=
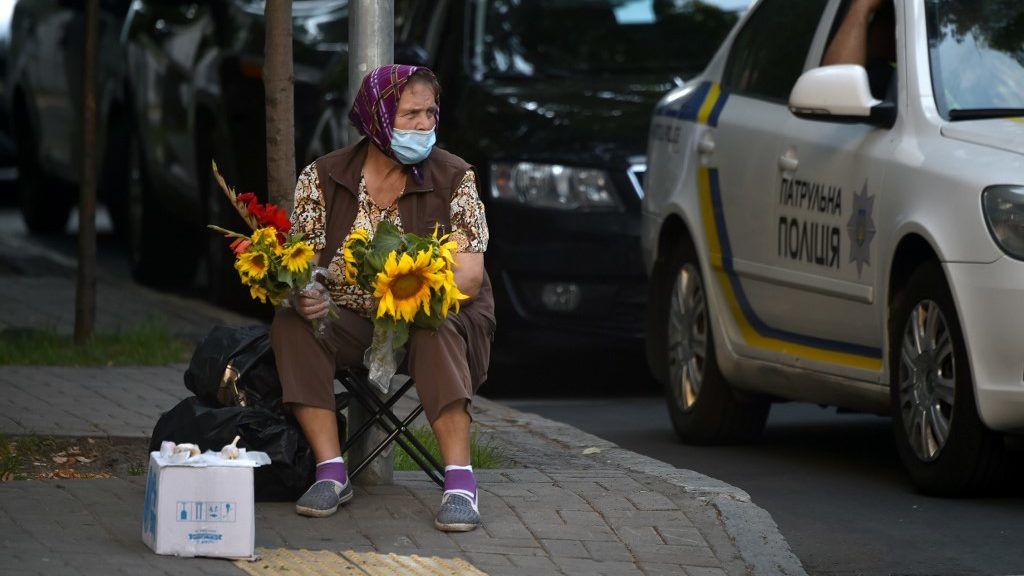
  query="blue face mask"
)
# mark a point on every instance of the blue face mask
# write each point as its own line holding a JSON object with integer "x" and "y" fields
{"x": 412, "y": 146}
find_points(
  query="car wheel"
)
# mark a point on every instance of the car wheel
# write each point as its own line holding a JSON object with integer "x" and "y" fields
{"x": 703, "y": 407}
{"x": 941, "y": 440}
{"x": 45, "y": 201}
{"x": 160, "y": 255}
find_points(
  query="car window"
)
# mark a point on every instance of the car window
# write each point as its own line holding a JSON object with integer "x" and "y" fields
{"x": 768, "y": 54}
{"x": 514, "y": 38}
{"x": 977, "y": 57}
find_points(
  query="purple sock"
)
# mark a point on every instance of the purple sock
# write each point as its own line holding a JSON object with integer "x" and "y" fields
{"x": 460, "y": 481}
{"x": 332, "y": 470}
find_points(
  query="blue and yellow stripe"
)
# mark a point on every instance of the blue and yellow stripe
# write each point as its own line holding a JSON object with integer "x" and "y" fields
{"x": 703, "y": 105}
{"x": 754, "y": 330}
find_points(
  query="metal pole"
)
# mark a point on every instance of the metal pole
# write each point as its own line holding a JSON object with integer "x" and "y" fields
{"x": 371, "y": 34}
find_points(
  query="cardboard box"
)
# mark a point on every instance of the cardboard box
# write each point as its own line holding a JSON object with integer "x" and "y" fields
{"x": 200, "y": 507}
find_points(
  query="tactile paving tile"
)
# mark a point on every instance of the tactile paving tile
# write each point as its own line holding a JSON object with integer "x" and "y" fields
{"x": 282, "y": 561}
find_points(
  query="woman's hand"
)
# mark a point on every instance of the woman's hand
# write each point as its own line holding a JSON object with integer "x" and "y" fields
{"x": 312, "y": 301}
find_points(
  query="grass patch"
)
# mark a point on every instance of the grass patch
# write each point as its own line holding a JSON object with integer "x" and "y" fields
{"x": 483, "y": 453}
{"x": 147, "y": 344}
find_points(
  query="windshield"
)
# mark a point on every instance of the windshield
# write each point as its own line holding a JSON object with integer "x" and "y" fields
{"x": 527, "y": 38}
{"x": 977, "y": 57}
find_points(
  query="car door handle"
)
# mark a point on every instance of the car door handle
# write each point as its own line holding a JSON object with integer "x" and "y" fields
{"x": 706, "y": 145}
{"x": 788, "y": 162}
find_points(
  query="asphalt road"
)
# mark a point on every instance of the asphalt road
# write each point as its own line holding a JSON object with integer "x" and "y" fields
{"x": 833, "y": 483}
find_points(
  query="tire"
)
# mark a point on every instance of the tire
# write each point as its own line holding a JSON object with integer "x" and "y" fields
{"x": 941, "y": 440}
{"x": 701, "y": 404}
{"x": 45, "y": 201}
{"x": 161, "y": 254}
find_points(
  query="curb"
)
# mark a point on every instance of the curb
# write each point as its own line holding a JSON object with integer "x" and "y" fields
{"x": 756, "y": 535}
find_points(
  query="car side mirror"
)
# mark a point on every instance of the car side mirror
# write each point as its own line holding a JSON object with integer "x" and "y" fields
{"x": 412, "y": 54}
{"x": 839, "y": 93}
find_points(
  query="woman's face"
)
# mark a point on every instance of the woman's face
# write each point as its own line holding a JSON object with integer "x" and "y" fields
{"x": 417, "y": 109}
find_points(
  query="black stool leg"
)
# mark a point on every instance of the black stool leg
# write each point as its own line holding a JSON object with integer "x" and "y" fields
{"x": 398, "y": 431}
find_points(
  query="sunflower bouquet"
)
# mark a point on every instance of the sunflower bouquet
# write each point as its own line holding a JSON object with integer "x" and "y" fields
{"x": 270, "y": 261}
{"x": 412, "y": 278}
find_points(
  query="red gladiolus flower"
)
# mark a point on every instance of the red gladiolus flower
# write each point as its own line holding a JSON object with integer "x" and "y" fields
{"x": 240, "y": 245}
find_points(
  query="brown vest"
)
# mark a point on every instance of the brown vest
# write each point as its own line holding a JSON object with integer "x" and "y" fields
{"x": 420, "y": 206}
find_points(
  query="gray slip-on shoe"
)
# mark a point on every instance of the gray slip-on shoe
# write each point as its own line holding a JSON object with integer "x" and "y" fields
{"x": 457, "y": 514}
{"x": 323, "y": 498}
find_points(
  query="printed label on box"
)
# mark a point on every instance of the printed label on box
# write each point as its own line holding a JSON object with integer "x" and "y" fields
{"x": 205, "y": 536}
{"x": 206, "y": 511}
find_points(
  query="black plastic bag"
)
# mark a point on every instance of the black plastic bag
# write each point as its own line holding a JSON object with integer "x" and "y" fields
{"x": 252, "y": 377}
{"x": 211, "y": 426}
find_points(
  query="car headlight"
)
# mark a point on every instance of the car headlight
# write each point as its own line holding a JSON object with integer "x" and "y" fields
{"x": 553, "y": 186}
{"x": 1004, "y": 213}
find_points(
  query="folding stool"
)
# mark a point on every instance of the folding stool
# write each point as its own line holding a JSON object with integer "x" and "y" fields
{"x": 380, "y": 411}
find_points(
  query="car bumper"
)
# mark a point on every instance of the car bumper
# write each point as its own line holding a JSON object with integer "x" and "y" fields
{"x": 566, "y": 280}
{"x": 989, "y": 300}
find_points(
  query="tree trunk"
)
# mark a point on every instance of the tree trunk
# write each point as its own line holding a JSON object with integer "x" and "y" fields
{"x": 85, "y": 292}
{"x": 278, "y": 83}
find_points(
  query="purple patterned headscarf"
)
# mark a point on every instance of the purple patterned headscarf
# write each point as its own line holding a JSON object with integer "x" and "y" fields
{"x": 375, "y": 106}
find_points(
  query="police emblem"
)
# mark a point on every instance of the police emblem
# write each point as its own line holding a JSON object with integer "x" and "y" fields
{"x": 861, "y": 228}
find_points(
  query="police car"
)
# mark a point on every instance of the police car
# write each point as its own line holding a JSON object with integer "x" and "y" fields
{"x": 810, "y": 240}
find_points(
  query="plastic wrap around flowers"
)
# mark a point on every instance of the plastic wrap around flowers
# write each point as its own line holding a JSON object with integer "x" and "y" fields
{"x": 270, "y": 261}
{"x": 413, "y": 279}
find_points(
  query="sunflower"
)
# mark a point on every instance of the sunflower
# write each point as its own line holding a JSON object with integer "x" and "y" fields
{"x": 296, "y": 257}
{"x": 258, "y": 292}
{"x": 350, "y": 266}
{"x": 359, "y": 235}
{"x": 446, "y": 248}
{"x": 405, "y": 285}
{"x": 253, "y": 264}
{"x": 266, "y": 237}
{"x": 452, "y": 296}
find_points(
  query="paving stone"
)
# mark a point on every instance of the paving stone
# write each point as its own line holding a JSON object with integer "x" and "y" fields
{"x": 649, "y": 500}
{"x": 535, "y": 565}
{"x": 690, "y": 555}
{"x": 565, "y": 548}
{"x": 704, "y": 571}
{"x": 613, "y": 551}
{"x": 581, "y": 518}
{"x": 638, "y": 536}
{"x": 603, "y": 533}
{"x": 585, "y": 567}
{"x": 661, "y": 569}
{"x": 487, "y": 561}
{"x": 681, "y": 536}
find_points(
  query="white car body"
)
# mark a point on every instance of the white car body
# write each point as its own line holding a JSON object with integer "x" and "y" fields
{"x": 804, "y": 228}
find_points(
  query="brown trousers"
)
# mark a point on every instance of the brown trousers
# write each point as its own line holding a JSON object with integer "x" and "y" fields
{"x": 447, "y": 366}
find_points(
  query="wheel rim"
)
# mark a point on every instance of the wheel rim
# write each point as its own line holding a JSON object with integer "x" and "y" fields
{"x": 687, "y": 337}
{"x": 927, "y": 380}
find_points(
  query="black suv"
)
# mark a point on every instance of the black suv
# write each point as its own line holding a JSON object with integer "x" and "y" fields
{"x": 550, "y": 101}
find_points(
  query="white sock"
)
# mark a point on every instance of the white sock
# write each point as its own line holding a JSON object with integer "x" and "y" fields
{"x": 454, "y": 467}
{"x": 338, "y": 459}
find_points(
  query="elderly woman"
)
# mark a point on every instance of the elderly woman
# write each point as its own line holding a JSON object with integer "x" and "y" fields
{"x": 395, "y": 173}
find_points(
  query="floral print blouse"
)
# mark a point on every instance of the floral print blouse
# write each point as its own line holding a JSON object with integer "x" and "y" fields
{"x": 468, "y": 229}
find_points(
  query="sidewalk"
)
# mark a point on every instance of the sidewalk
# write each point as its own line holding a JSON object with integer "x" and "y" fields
{"x": 570, "y": 503}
